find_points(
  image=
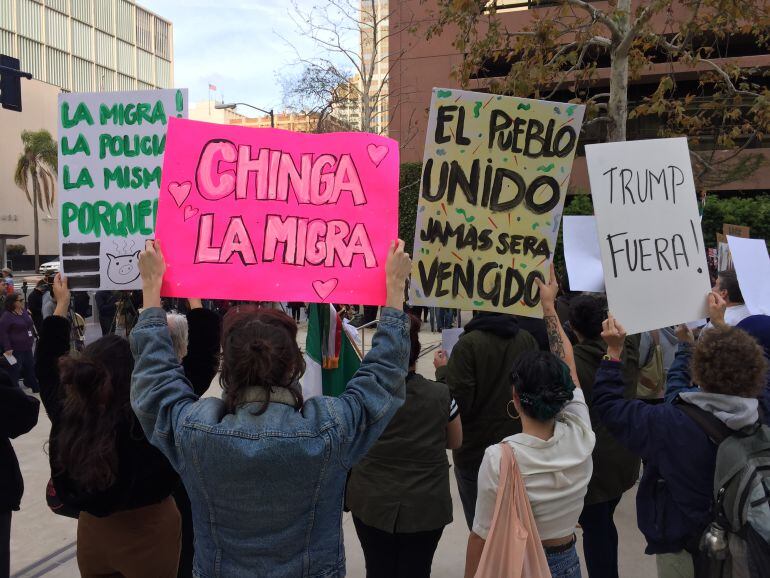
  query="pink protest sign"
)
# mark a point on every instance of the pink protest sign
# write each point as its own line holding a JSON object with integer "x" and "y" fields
{"x": 272, "y": 215}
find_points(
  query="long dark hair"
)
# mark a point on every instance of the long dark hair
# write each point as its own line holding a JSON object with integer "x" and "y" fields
{"x": 259, "y": 349}
{"x": 96, "y": 402}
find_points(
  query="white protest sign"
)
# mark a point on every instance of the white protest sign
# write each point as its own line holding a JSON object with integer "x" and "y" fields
{"x": 752, "y": 266}
{"x": 449, "y": 338}
{"x": 582, "y": 254}
{"x": 111, "y": 148}
{"x": 649, "y": 230}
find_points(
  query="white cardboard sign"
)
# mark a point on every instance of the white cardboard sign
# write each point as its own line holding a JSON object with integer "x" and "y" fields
{"x": 111, "y": 148}
{"x": 752, "y": 266}
{"x": 449, "y": 338}
{"x": 651, "y": 242}
{"x": 582, "y": 254}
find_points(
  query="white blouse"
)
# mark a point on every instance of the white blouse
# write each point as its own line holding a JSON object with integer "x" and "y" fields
{"x": 556, "y": 473}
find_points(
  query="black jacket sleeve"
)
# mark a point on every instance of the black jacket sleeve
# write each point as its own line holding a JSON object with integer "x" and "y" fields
{"x": 54, "y": 342}
{"x": 202, "y": 359}
{"x": 18, "y": 411}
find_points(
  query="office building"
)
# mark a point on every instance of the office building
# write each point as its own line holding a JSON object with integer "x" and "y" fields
{"x": 78, "y": 46}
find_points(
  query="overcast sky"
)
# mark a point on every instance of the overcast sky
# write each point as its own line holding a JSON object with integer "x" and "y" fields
{"x": 233, "y": 44}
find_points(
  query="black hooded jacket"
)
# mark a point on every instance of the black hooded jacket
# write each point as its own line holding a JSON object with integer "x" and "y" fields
{"x": 479, "y": 376}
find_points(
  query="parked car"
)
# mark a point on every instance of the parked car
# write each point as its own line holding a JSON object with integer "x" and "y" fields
{"x": 49, "y": 268}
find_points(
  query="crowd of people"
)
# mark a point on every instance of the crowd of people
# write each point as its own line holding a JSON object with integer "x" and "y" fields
{"x": 549, "y": 422}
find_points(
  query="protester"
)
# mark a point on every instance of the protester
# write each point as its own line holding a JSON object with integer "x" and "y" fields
{"x": 8, "y": 278}
{"x": 615, "y": 469}
{"x": 296, "y": 309}
{"x": 267, "y": 467}
{"x": 399, "y": 492}
{"x": 17, "y": 339}
{"x": 106, "y": 305}
{"x": 758, "y": 326}
{"x": 3, "y": 295}
{"x": 727, "y": 288}
{"x": 553, "y": 451}
{"x": 18, "y": 415}
{"x": 101, "y": 463}
{"x": 679, "y": 456}
{"x": 478, "y": 376}
{"x": 35, "y": 303}
{"x": 48, "y": 304}
{"x": 196, "y": 339}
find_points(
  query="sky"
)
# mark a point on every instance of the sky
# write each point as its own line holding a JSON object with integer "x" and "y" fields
{"x": 235, "y": 45}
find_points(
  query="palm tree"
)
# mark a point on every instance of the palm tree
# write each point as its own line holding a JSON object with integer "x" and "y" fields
{"x": 37, "y": 166}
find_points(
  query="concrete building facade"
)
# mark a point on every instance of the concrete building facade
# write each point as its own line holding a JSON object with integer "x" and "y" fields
{"x": 78, "y": 46}
{"x": 419, "y": 65}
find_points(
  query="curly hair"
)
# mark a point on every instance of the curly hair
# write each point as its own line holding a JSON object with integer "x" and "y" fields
{"x": 729, "y": 361}
{"x": 586, "y": 315}
{"x": 543, "y": 383}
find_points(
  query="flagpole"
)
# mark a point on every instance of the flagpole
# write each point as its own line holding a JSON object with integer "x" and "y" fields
{"x": 209, "y": 100}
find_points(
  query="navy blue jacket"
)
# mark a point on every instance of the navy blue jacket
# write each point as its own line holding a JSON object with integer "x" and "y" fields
{"x": 674, "y": 497}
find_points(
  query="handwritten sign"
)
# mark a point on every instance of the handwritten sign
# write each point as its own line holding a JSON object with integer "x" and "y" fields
{"x": 493, "y": 185}
{"x": 650, "y": 237}
{"x": 272, "y": 215}
{"x": 736, "y": 230}
{"x": 111, "y": 147}
{"x": 752, "y": 266}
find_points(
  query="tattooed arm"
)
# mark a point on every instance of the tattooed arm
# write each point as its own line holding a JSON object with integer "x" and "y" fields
{"x": 558, "y": 340}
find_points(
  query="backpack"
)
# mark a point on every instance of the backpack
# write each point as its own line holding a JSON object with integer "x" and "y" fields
{"x": 741, "y": 501}
{"x": 652, "y": 377}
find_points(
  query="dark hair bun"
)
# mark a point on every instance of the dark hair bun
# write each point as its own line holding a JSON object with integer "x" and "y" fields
{"x": 543, "y": 384}
{"x": 586, "y": 315}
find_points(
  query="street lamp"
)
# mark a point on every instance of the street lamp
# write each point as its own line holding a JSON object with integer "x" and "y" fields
{"x": 232, "y": 105}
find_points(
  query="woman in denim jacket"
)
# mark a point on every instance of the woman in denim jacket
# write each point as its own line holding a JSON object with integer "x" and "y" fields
{"x": 266, "y": 472}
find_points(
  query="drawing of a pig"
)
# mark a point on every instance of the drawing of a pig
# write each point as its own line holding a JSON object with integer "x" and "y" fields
{"x": 123, "y": 269}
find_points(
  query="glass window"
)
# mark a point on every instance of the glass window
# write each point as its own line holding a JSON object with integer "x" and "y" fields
{"x": 82, "y": 75}
{"x": 105, "y": 49}
{"x": 103, "y": 13}
{"x": 144, "y": 66}
{"x": 162, "y": 73}
{"x": 56, "y": 29}
{"x": 144, "y": 29}
{"x": 82, "y": 40}
{"x": 126, "y": 58}
{"x": 60, "y": 5}
{"x": 6, "y": 15}
{"x": 162, "y": 41}
{"x": 125, "y": 21}
{"x": 29, "y": 19}
{"x": 81, "y": 9}
{"x": 31, "y": 57}
{"x": 57, "y": 67}
{"x": 126, "y": 82}
{"x": 105, "y": 79}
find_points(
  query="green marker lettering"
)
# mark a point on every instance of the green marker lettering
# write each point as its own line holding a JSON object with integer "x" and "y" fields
{"x": 81, "y": 114}
{"x": 69, "y": 214}
{"x": 84, "y": 178}
{"x": 81, "y": 146}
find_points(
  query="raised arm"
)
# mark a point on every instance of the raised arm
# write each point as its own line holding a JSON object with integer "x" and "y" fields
{"x": 202, "y": 359}
{"x": 160, "y": 392}
{"x": 377, "y": 390}
{"x": 54, "y": 342}
{"x": 557, "y": 339}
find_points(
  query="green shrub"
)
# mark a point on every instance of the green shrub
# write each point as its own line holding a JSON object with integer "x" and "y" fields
{"x": 15, "y": 250}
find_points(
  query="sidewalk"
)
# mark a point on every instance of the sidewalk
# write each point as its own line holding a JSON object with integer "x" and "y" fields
{"x": 43, "y": 544}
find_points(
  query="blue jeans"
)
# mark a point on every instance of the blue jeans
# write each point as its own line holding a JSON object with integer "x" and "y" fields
{"x": 564, "y": 564}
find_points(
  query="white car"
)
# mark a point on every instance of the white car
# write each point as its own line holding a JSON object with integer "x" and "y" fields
{"x": 49, "y": 268}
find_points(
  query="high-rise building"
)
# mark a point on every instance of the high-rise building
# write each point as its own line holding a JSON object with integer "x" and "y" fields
{"x": 375, "y": 57}
{"x": 78, "y": 46}
{"x": 88, "y": 45}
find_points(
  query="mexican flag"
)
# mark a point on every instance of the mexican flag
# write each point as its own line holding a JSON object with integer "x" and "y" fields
{"x": 331, "y": 358}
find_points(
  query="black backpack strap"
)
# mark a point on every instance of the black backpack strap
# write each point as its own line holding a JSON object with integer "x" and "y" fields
{"x": 714, "y": 428}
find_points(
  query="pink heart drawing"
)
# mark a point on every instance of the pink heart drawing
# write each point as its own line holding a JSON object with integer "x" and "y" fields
{"x": 179, "y": 191}
{"x": 377, "y": 153}
{"x": 324, "y": 288}
{"x": 189, "y": 212}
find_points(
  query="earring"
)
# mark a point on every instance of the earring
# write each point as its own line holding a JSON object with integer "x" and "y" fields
{"x": 508, "y": 411}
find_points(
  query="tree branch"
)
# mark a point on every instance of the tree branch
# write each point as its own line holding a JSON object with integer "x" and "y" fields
{"x": 599, "y": 16}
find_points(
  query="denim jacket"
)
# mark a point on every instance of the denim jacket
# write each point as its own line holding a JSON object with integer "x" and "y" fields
{"x": 266, "y": 490}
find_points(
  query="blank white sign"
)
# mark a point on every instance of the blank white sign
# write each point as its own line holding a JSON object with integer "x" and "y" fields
{"x": 752, "y": 266}
{"x": 582, "y": 254}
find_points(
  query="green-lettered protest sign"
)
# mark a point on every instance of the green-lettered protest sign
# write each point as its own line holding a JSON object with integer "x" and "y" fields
{"x": 111, "y": 147}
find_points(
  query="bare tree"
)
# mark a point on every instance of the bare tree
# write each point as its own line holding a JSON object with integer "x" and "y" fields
{"x": 350, "y": 41}
{"x": 561, "y": 48}
{"x": 320, "y": 93}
